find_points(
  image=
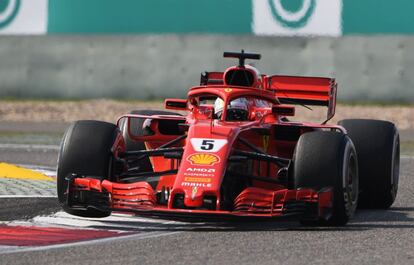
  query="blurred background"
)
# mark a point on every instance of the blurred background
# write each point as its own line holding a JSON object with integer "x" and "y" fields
{"x": 150, "y": 49}
{"x": 68, "y": 60}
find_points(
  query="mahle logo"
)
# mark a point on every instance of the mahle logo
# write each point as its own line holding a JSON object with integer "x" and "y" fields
{"x": 8, "y": 11}
{"x": 292, "y": 13}
{"x": 297, "y": 17}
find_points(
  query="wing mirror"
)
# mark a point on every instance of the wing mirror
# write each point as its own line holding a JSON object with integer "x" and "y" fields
{"x": 283, "y": 110}
{"x": 176, "y": 104}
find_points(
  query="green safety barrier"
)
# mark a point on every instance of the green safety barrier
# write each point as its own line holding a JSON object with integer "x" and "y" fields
{"x": 259, "y": 17}
{"x": 149, "y": 16}
{"x": 218, "y": 16}
{"x": 378, "y": 17}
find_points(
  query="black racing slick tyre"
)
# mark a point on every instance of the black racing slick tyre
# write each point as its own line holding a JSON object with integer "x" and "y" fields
{"x": 85, "y": 150}
{"x": 378, "y": 147}
{"x": 328, "y": 160}
{"x": 144, "y": 165}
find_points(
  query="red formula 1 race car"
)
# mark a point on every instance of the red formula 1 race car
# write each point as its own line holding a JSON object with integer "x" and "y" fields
{"x": 234, "y": 154}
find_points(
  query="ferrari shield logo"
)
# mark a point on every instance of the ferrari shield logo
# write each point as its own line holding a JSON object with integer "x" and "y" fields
{"x": 194, "y": 192}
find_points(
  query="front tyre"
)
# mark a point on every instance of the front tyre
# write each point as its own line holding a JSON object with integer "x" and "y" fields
{"x": 328, "y": 160}
{"x": 85, "y": 150}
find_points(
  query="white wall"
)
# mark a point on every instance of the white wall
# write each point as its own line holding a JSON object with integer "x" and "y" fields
{"x": 377, "y": 68}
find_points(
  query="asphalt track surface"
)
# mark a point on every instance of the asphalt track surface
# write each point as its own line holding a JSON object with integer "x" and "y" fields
{"x": 372, "y": 237}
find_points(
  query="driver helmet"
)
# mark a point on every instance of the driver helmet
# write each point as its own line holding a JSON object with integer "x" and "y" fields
{"x": 147, "y": 128}
{"x": 237, "y": 110}
{"x": 218, "y": 108}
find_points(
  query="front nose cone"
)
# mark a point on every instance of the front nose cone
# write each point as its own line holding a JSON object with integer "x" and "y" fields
{"x": 193, "y": 197}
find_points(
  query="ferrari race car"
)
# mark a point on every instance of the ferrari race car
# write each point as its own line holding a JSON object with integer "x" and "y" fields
{"x": 233, "y": 154}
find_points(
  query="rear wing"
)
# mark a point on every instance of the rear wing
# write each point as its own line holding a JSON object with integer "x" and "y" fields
{"x": 317, "y": 91}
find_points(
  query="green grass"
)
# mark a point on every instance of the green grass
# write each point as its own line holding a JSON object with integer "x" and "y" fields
{"x": 407, "y": 148}
{"x": 12, "y": 99}
{"x": 376, "y": 103}
{"x": 30, "y": 138}
{"x": 139, "y": 100}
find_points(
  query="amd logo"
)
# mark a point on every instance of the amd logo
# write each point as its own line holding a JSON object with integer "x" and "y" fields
{"x": 202, "y": 170}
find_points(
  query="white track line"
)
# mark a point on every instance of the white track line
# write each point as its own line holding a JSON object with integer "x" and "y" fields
{"x": 67, "y": 221}
{"x": 27, "y": 196}
{"x": 30, "y": 146}
{"x": 10, "y": 249}
{"x": 37, "y": 167}
{"x": 48, "y": 171}
{"x": 62, "y": 219}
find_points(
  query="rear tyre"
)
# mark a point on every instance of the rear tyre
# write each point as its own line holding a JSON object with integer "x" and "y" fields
{"x": 328, "y": 159}
{"x": 378, "y": 147}
{"x": 144, "y": 165}
{"x": 85, "y": 150}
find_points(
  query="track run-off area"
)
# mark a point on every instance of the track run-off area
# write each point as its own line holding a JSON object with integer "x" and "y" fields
{"x": 34, "y": 230}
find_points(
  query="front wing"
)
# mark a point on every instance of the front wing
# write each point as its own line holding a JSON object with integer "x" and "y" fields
{"x": 139, "y": 198}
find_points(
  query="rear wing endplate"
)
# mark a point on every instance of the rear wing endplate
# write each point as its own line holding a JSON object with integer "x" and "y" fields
{"x": 319, "y": 91}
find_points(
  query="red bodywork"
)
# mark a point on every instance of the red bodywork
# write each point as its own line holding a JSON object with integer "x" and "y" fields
{"x": 206, "y": 150}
